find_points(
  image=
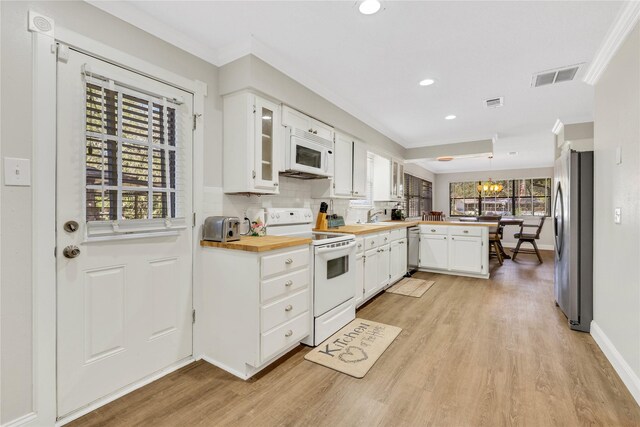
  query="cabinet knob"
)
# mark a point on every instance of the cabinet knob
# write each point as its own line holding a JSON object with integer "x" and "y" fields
{"x": 355, "y": 192}
{"x": 288, "y": 283}
{"x": 433, "y": 230}
{"x": 465, "y": 231}
{"x": 288, "y": 308}
{"x": 289, "y": 261}
{"x": 385, "y": 239}
{"x": 359, "y": 245}
{"x": 289, "y": 333}
{"x": 310, "y": 130}
{"x": 315, "y": 132}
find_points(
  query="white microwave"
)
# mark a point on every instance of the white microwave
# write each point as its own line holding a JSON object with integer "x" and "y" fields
{"x": 307, "y": 155}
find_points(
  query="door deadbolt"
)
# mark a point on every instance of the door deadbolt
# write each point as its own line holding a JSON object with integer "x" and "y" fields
{"x": 70, "y": 226}
{"x": 71, "y": 251}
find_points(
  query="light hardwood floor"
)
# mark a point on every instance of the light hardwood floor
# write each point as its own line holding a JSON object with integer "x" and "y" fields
{"x": 472, "y": 353}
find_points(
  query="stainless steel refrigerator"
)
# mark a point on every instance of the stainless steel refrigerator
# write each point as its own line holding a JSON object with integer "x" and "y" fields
{"x": 573, "y": 227}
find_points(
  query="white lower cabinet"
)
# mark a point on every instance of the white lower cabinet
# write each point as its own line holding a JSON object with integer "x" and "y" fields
{"x": 255, "y": 306}
{"x": 434, "y": 251}
{"x": 359, "y": 278}
{"x": 455, "y": 249}
{"x": 398, "y": 259}
{"x": 465, "y": 254}
{"x": 383, "y": 267}
{"x": 371, "y": 261}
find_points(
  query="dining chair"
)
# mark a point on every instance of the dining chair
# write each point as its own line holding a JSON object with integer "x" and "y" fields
{"x": 495, "y": 247}
{"x": 528, "y": 238}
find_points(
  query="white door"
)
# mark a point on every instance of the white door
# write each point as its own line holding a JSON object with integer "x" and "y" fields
{"x": 398, "y": 256}
{"x": 434, "y": 251}
{"x": 466, "y": 254}
{"x": 124, "y": 264}
{"x": 404, "y": 257}
{"x": 343, "y": 173}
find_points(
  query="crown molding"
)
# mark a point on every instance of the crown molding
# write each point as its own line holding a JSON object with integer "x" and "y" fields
{"x": 134, "y": 16}
{"x": 624, "y": 24}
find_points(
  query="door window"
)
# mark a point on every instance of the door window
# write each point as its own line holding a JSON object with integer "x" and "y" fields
{"x": 308, "y": 157}
{"x": 337, "y": 266}
{"x": 132, "y": 154}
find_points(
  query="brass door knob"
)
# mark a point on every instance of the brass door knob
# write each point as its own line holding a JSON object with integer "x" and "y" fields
{"x": 71, "y": 251}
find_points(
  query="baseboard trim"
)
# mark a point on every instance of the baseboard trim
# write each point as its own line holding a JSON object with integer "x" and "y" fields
{"x": 123, "y": 391}
{"x": 224, "y": 367}
{"x": 628, "y": 377}
{"x": 23, "y": 420}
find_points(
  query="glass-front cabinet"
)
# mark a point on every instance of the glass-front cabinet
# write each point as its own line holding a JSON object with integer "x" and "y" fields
{"x": 251, "y": 129}
{"x": 266, "y": 120}
{"x": 397, "y": 179}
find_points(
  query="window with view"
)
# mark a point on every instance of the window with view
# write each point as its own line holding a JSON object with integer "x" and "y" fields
{"x": 131, "y": 154}
{"x": 519, "y": 197}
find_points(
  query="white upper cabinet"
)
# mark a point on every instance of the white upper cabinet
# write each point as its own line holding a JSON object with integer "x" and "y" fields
{"x": 381, "y": 178}
{"x": 349, "y": 179}
{"x": 298, "y": 120}
{"x": 343, "y": 173}
{"x": 251, "y": 136}
{"x": 359, "y": 170}
{"x": 397, "y": 179}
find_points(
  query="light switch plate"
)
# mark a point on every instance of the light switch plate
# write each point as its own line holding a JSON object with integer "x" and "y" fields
{"x": 17, "y": 172}
{"x": 617, "y": 215}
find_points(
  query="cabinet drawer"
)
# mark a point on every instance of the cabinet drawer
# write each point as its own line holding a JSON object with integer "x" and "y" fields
{"x": 278, "y": 339}
{"x": 384, "y": 238}
{"x": 360, "y": 245}
{"x": 466, "y": 231}
{"x": 284, "y": 285}
{"x": 433, "y": 229}
{"x": 284, "y": 262}
{"x": 371, "y": 242}
{"x": 284, "y": 310}
{"x": 400, "y": 233}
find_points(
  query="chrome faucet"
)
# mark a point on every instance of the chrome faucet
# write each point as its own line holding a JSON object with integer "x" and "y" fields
{"x": 373, "y": 217}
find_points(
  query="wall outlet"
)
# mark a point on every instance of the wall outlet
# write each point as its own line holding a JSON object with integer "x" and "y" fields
{"x": 17, "y": 172}
{"x": 617, "y": 215}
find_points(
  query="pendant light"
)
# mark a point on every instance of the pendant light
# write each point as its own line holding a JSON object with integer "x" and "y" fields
{"x": 490, "y": 186}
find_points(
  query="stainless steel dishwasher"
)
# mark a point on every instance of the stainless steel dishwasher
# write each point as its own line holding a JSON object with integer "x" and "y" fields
{"x": 413, "y": 248}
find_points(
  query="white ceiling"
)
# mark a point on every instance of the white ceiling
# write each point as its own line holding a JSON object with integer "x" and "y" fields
{"x": 371, "y": 65}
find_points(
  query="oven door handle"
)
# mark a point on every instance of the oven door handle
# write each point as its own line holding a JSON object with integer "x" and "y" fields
{"x": 323, "y": 250}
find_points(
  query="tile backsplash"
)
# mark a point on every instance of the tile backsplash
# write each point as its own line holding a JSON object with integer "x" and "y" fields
{"x": 294, "y": 193}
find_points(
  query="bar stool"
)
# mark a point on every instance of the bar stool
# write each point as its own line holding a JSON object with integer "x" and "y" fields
{"x": 528, "y": 238}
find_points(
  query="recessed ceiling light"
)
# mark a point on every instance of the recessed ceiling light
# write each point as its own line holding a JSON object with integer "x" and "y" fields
{"x": 427, "y": 82}
{"x": 369, "y": 7}
{"x": 444, "y": 158}
{"x": 450, "y": 117}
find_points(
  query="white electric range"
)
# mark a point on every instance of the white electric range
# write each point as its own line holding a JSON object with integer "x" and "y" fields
{"x": 333, "y": 269}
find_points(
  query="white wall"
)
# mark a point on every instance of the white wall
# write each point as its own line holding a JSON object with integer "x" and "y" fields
{"x": 441, "y": 197}
{"x": 16, "y": 350}
{"x": 616, "y": 246}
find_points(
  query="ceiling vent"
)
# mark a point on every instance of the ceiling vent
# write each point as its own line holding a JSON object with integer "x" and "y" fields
{"x": 564, "y": 74}
{"x": 494, "y": 102}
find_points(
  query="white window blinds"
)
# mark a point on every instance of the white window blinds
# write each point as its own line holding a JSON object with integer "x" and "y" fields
{"x": 133, "y": 154}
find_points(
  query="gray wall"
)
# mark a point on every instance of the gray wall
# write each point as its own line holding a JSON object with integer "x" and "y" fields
{"x": 616, "y": 247}
{"x": 15, "y": 227}
{"x": 441, "y": 197}
{"x": 251, "y": 71}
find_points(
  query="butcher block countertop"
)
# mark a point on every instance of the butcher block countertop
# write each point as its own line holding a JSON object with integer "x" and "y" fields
{"x": 359, "y": 229}
{"x": 258, "y": 244}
